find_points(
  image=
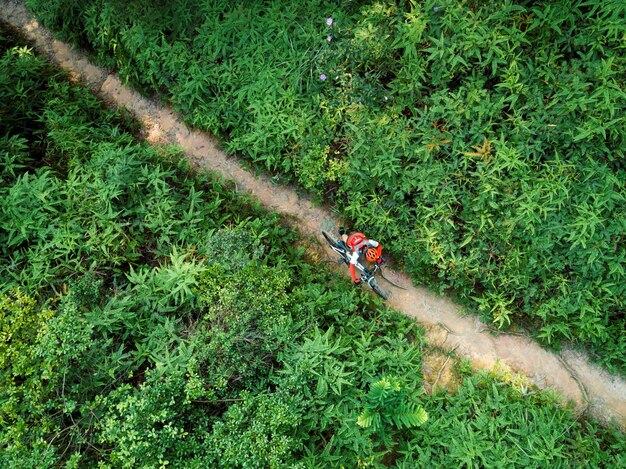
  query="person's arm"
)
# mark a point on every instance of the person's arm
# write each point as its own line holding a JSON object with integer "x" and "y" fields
{"x": 353, "y": 274}
{"x": 353, "y": 259}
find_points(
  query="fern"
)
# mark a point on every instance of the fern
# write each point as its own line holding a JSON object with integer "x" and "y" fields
{"x": 408, "y": 415}
{"x": 387, "y": 402}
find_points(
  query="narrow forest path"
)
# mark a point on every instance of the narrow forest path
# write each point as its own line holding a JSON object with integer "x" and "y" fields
{"x": 569, "y": 373}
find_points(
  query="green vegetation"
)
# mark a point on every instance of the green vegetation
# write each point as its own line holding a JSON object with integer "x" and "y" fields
{"x": 151, "y": 317}
{"x": 482, "y": 141}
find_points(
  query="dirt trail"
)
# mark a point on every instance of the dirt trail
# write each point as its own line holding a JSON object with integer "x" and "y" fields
{"x": 570, "y": 373}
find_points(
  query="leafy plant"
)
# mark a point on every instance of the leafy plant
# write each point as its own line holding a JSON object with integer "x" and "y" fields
{"x": 388, "y": 408}
{"x": 151, "y": 316}
{"x": 386, "y": 405}
{"x": 484, "y": 139}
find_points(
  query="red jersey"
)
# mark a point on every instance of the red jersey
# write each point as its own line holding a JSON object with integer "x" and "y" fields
{"x": 359, "y": 244}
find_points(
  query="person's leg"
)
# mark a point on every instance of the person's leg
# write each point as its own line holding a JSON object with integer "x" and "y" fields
{"x": 342, "y": 233}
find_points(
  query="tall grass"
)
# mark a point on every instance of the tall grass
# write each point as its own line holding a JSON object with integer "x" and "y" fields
{"x": 483, "y": 142}
{"x": 151, "y": 317}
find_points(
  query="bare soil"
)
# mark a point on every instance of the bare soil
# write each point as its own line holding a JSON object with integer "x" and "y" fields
{"x": 570, "y": 373}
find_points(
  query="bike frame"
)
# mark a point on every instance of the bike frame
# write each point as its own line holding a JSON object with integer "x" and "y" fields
{"x": 366, "y": 274}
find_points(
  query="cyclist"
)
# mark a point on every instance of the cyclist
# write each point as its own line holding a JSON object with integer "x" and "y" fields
{"x": 361, "y": 246}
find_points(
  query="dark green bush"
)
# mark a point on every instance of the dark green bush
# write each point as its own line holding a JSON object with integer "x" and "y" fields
{"x": 483, "y": 142}
{"x": 488, "y": 423}
{"x": 151, "y": 317}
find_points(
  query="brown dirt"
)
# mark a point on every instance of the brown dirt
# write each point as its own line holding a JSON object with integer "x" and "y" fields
{"x": 570, "y": 373}
{"x": 438, "y": 368}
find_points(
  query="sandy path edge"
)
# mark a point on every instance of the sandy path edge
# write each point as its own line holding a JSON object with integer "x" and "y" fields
{"x": 569, "y": 373}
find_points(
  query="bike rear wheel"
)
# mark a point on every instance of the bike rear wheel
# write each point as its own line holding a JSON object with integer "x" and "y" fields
{"x": 377, "y": 288}
{"x": 338, "y": 247}
{"x": 330, "y": 240}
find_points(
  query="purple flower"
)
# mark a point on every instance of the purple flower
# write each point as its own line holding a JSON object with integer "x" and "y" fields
{"x": 329, "y": 21}
{"x": 329, "y": 38}
{"x": 323, "y": 77}
{"x": 435, "y": 8}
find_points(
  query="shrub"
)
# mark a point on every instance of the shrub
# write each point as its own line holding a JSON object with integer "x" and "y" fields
{"x": 484, "y": 140}
{"x": 149, "y": 316}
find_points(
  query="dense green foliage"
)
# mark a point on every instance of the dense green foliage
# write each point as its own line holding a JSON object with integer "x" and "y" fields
{"x": 483, "y": 142}
{"x": 151, "y": 317}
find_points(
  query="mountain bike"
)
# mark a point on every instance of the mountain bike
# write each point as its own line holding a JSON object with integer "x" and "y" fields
{"x": 367, "y": 275}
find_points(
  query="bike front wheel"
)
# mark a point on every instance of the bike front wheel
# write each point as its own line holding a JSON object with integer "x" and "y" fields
{"x": 377, "y": 288}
